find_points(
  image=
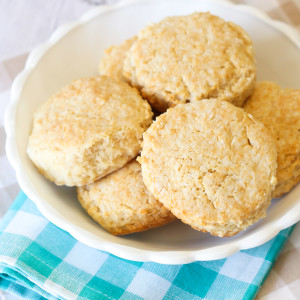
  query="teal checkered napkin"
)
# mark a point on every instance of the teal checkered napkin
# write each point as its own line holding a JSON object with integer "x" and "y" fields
{"x": 38, "y": 260}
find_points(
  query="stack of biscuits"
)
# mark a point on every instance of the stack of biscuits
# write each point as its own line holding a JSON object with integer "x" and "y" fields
{"x": 220, "y": 148}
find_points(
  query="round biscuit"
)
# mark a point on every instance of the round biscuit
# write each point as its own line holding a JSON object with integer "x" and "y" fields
{"x": 189, "y": 58}
{"x": 121, "y": 204}
{"x": 211, "y": 164}
{"x": 279, "y": 110}
{"x": 88, "y": 129}
{"x": 111, "y": 64}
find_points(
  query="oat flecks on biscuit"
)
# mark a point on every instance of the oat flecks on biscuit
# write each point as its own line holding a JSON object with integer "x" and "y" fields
{"x": 193, "y": 57}
{"x": 111, "y": 64}
{"x": 88, "y": 129}
{"x": 211, "y": 164}
{"x": 121, "y": 204}
{"x": 279, "y": 110}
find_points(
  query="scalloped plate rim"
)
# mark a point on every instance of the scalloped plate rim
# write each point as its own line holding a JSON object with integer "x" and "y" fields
{"x": 126, "y": 252}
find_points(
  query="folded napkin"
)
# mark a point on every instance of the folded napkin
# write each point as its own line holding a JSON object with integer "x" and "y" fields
{"x": 38, "y": 260}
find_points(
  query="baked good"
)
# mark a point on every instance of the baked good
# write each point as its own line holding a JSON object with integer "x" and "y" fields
{"x": 121, "y": 204}
{"x": 111, "y": 64}
{"x": 211, "y": 164}
{"x": 279, "y": 110}
{"x": 188, "y": 58}
{"x": 88, "y": 129}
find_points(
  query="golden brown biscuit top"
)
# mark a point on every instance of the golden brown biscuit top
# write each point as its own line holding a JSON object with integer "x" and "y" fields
{"x": 112, "y": 62}
{"x": 88, "y": 110}
{"x": 121, "y": 203}
{"x": 123, "y": 191}
{"x": 209, "y": 162}
{"x": 279, "y": 110}
{"x": 192, "y": 57}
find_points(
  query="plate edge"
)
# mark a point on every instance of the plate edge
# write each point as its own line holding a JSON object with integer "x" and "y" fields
{"x": 166, "y": 257}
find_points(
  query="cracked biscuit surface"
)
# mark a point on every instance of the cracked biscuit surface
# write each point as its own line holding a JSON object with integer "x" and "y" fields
{"x": 190, "y": 58}
{"x": 88, "y": 129}
{"x": 121, "y": 204}
{"x": 211, "y": 164}
{"x": 279, "y": 110}
{"x": 111, "y": 64}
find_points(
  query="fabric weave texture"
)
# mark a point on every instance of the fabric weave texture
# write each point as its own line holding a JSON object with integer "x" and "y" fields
{"x": 38, "y": 260}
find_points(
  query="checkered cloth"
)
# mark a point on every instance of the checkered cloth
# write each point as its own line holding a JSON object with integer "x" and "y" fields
{"x": 38, "y": 260}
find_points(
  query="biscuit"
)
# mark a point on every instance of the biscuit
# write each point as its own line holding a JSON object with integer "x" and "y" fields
{"x": 279, "y": 110}
{"x": 188, "y": 58}
{"x": 88, "y": 129}
{"x": 111, "y": 64}
{"x": 211, "y": 164}
{"x": 121, "y": 204}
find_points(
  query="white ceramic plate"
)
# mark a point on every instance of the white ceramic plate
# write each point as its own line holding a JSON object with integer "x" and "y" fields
{"x": 73, "y": 51}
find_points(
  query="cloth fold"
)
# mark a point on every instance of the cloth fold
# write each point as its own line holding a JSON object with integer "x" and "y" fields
{"x": 40, "y": 261}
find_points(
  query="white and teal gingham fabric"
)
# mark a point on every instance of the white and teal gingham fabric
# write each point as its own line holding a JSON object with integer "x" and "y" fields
{"x": 40, "y": 261}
